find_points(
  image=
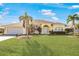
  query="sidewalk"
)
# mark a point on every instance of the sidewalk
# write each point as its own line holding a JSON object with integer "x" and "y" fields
{"x": 5, "y": 37}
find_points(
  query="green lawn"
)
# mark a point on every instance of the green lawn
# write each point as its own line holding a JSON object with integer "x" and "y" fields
{"x": 41, "y": 45}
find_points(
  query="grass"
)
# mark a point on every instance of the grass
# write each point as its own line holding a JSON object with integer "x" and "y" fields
{"x": 41, "y": 45}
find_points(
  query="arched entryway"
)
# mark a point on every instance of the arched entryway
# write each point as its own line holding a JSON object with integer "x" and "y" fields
{"x": 45, "y": 29}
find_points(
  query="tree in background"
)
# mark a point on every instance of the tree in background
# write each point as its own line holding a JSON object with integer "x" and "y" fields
{"x": 78, "y": 26}
{"x": 39, "y": 30}
{"x": 73, "y": 18}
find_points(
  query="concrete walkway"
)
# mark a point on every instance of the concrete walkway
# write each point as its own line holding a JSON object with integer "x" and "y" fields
{"x": 5, "y": 37}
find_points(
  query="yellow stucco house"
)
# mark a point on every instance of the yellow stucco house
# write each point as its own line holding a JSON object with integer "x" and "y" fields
{"x": 17, "y": 28}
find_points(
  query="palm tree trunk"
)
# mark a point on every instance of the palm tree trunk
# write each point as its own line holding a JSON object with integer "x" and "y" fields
{"x": 74, "y": 27}
{"x": 74, "y": 31}
{"x": 24, "y": 27}
{"x": 27, "y": 28}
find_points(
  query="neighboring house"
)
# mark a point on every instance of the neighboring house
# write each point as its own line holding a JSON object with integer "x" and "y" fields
{"x": 17, "y": 28}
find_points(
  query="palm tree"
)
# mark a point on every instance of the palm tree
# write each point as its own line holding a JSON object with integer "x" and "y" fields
{"x": 77, "y": 25}
{"x": 25, "y": 18}
{"x": 73, "y": 18}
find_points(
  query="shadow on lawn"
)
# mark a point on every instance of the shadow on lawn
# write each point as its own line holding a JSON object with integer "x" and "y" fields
{"x": 29, "y": 48}
{"x": 33, "y": 48}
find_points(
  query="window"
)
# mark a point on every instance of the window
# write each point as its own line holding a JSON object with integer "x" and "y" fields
{"x": 61, "y": 29}
{"x": 55, "y": 28}
{"x": 58, "y": 29}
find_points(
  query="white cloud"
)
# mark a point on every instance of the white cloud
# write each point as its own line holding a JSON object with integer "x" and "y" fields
{"x": 77, "y": 13}
{"x": 4, "y": 13}
{"x": 1, "y": 4}
{"x": 7, "y": 9}
{"x": 0, "y": 16}
{"x": 50, "y": 13}
{"x": 55, "y": 19}
{"x": 47, "y": 12}
{"x": 74, "y": 6}
{"x": 14, "y": 22}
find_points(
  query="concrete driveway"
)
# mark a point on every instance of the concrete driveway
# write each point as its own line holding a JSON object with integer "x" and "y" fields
{"x": 5, "y": 37}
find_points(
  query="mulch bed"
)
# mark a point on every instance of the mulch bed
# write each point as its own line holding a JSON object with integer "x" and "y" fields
{"x": 24, "y": 37}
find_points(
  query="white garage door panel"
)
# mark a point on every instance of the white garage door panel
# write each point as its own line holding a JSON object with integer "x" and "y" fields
{"x": 14, "y": 31}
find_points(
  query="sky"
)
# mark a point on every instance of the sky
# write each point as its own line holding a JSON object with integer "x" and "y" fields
{"x": 54, "y": 12}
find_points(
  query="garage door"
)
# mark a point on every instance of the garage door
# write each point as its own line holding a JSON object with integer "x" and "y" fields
{"x": 14, "y": 31}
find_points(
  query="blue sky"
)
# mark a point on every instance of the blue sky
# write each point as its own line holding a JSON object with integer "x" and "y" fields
{"x": 10, "y": 12}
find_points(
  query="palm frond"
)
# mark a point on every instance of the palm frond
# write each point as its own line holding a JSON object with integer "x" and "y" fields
{"x": 76, "y": 16}
{"x": 21, "y": 18}
{"x": 69, "y": 18}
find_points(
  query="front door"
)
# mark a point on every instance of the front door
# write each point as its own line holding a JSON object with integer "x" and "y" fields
{"x": 45, "y": 30}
